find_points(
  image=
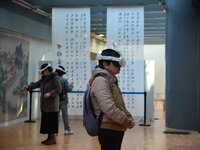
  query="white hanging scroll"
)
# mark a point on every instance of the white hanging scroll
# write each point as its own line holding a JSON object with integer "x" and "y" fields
{"x": 71, "y": 48}
{"x": 125, "y": 32}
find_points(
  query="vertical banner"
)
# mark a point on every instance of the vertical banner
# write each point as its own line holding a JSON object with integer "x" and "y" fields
{"x": 71, "y": 48}
{"x": 125, "y": 32}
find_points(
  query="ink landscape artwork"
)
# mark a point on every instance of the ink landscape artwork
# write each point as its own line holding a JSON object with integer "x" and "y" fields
{"x": 13, "y": 75}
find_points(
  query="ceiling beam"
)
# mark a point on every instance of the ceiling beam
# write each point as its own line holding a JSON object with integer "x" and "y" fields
{"x": 154, "y": 21}
{"x": 80, "y": 3}
{"x": 154, "y": 34}
{"x": 154, "y": 17}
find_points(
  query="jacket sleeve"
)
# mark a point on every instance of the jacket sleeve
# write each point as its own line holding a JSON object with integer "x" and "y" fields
{"x": 103, "y": 94}
{"x": 34, "y": 85}
{"x": 56, "y": 87}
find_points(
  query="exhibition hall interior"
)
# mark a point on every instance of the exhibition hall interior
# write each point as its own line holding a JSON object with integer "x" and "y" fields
{"x": 160, "y": 83}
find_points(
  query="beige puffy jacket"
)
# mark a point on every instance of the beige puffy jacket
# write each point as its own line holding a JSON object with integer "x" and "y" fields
{"x": 116, "y": 116}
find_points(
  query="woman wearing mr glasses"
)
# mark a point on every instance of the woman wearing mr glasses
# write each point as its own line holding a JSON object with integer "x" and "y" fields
{"x": 107, "y": 98}
{"x": 49, "y": 102}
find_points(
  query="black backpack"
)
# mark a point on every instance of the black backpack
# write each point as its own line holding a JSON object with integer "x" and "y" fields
{"x": 90, "y": 120}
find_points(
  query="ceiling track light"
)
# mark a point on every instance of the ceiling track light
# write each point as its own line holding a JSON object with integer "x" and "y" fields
{"x": 98, "y": 37}
{"x": 32, "y": 8}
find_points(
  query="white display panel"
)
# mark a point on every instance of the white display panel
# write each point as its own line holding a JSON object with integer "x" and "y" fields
{"x": 131, "y": 82}
{"x": 71, "y": 48}
{"x": 131, "y": 77}
{"x": 149, "y": 87}
{"x": 71, "y": 34}
{"x": 125, "y": 33}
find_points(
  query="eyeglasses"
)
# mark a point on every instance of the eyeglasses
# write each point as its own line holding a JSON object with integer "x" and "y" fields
{"x": 116, "y": 64}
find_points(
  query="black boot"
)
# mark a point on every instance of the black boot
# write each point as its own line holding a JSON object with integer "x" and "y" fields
{"x": 51, "y": 140}
{"x": 43, "y": 142}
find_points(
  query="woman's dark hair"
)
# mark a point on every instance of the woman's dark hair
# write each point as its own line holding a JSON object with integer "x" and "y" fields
{"x": 50, "y": 69}
{"x": 60, "y": 73}
{"x": 108, "y": 52}
{"x": 60, "y": 70}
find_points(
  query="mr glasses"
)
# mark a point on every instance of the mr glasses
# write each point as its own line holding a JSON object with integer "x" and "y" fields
{"x": 116, "y": 64}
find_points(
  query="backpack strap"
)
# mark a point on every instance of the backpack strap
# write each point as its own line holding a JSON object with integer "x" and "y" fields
{"x": 100, "y": 117}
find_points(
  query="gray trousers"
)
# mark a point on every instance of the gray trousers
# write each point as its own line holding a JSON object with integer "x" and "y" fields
{"x": 64, "y": 110}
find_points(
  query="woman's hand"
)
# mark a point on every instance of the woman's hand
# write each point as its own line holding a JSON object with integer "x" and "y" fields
{"x": 25, "y": 87}
{"x": 131, "y": 124}
{"x": 47, "y": 95}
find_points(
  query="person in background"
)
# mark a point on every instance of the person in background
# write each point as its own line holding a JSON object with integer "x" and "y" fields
{"x": 106, "y": 97}
{"x": 49, "y": 101}
{"x": 66, "y": 87}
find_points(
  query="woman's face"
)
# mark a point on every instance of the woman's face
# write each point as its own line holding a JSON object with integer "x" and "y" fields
{"x": 113, "y": 69}
{"x": 45, "y": 72}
